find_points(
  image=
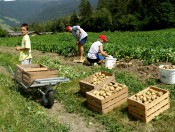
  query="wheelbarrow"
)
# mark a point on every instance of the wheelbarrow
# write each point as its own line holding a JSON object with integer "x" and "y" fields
{"x": 43, "y": 86}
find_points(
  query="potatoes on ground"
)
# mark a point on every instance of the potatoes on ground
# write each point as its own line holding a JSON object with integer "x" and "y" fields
{"x": 147, "y": 96}
{"x": 108, "y": 89}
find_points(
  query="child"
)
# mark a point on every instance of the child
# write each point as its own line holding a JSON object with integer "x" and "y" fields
{"x": 81, "y": 37}
{"x": 25, "y": 49}
{"x": 96, "y": 53}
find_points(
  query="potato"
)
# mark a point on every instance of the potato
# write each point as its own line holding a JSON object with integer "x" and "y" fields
{"x": 108, "y": 94}
{"x": 111, "y": 88}
{"x": 144, "y": 99}
{"x": 153, "y": 97}
{"x": 160, "y": 93}
{"x": 95, "y": 92}
{"x": 104, "y": 94}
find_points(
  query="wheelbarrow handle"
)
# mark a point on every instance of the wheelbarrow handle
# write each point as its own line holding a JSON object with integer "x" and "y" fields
{"x": 13, "y": 74}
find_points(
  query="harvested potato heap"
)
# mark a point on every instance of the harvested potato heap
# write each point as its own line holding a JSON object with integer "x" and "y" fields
{"x": 148, "y": 96}
{"x": 169, "y": 67}
{"x": 97, "y": 78}
{"x": 108, "y": 90}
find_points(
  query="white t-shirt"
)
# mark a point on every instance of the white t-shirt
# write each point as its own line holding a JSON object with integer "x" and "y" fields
{"x": 75, "y": 33}
{"x": 94, "y": 49}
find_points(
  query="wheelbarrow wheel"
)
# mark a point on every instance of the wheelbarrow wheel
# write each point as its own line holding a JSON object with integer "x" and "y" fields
{"x": 48, "y": 98}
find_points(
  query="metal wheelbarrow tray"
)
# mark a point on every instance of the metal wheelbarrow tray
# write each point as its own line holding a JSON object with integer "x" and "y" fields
{"x": 43, "y": 86}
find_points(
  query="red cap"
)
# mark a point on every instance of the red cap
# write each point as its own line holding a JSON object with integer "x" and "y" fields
{"x": 68, "y": 28}
{"x": 103, "y": 37}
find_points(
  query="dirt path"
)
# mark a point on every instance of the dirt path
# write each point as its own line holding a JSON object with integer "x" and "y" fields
{"x": 75, "y": 122}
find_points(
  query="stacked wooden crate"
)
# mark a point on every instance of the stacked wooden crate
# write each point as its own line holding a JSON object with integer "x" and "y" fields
{"x": 149, "y": 103}
{"x": 89, "y": 84}
{"x": 107, "y": 97}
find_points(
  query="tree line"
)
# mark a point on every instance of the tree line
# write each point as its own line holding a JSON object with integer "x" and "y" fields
{"x": 115, "y": 15}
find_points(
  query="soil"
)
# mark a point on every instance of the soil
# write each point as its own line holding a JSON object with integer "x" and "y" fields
{"x": 75, "y": 121}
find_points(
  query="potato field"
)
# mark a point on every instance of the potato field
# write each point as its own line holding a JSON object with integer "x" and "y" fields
{"x": 150, "y": 46}
{"x": 139, "y": 54}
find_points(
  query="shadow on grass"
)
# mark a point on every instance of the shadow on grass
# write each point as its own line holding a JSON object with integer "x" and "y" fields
{"x": 125, "y": 112}
{"x": 30, "y": 94}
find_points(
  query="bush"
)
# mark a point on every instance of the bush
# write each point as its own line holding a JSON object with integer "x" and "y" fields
{"x": 3, "y": 33}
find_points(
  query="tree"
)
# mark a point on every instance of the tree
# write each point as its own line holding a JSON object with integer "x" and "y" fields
{"x": 3, "y": 33}
{"x": 163, "y": 15}
{"x": 74, "y": 19}
{"x": 101, "y": 20}
{"x": 102, "y": 4}
{"x": 85, "y": 9}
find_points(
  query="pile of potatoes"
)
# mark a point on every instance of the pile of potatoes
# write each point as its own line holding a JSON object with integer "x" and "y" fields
{"x": 148, "y": 96}
{"x": 169, "y": 66}
{"x": 108, "y": 89}
{"x": 97, "y": 78}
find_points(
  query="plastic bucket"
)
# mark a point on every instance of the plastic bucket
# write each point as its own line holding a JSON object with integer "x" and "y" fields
{"x": 110, "y": 62}
{"x": 167, "y": 76}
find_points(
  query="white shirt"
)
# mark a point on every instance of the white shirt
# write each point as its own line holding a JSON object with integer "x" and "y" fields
{"x": 94, "y": 49}
{"x": 75, "y": 33}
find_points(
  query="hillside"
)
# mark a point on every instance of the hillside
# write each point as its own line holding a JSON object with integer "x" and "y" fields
{"x": 32, "y": 11}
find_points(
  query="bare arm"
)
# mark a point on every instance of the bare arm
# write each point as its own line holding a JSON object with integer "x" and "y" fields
{"x": 18, "y": 48}
{"x": 102, "y": 52}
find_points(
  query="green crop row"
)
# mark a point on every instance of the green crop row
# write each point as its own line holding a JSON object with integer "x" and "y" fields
{"x": 149, "y": 46}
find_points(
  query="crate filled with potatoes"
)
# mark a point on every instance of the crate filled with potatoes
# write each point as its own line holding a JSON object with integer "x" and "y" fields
{"x": 94, "y": 81}
{"x": 107, "y": 97}
{"x": 148, "y": 103}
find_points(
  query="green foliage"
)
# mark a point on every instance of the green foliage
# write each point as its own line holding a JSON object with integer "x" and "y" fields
{"x": 74, "y": 19}
{"x": 101, "y": 4}
{"x": 101, "y": 20}
{"x": 3, "y": 33}
{"x": 163, "y": 15}
{"x": 122, "y": 15}
{"x": 57, "y": 25}
{"x": 85, "y": 9}
{"x": 151, "y": 47}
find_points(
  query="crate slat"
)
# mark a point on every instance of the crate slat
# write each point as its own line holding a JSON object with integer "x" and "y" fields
{"x": 108, "y": 109}
{"x": 107, "y": 104}
{"x": 146, "y": 112}
{"x": 152, "y": 116}
{"x": 29, "y": 77}
{"x": 85, "y": 86}
{"x": 150, "y": 111}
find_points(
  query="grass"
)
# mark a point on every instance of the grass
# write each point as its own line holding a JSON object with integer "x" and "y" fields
{"x": 22, "y": 114}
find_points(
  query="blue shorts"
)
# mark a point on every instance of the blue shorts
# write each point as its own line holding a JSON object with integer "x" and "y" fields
{"x": 100, "y": 57}
{"x": 83, "y": 41}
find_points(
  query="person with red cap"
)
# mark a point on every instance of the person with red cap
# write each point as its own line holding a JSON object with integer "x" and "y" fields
{"x": 81, "y": 37}
{"x": 96, "y": 53}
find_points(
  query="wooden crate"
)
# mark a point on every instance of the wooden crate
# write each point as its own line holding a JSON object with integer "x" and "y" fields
{"x": 147, "y": 112}
{"x": 105, "y": 105}
{"x": 85, "y": 86}
{"x": 31, "y": 67}
{"x": 29, "y": 76}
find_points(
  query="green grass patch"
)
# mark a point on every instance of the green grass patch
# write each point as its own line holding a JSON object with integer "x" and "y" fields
{"x": 19, "y": 113}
